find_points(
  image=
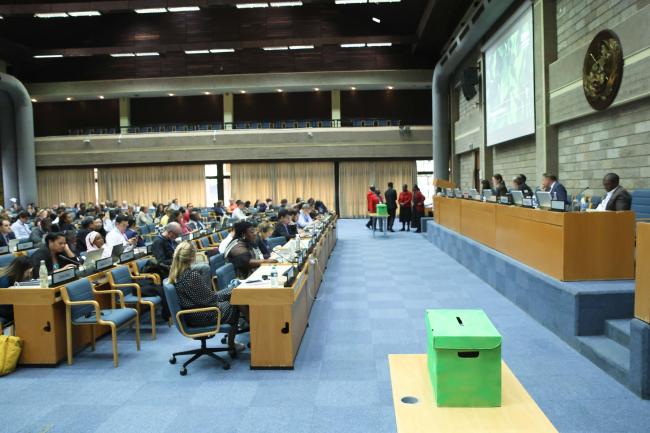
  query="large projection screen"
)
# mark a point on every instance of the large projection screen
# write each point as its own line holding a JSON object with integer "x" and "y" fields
{"x": 510, "y": 81}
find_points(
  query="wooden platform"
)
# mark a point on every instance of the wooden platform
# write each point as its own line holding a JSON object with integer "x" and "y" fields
{"x": 410, "y": 378}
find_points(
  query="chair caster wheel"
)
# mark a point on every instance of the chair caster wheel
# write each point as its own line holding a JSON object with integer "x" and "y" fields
{"x": 183, "y": 372}
{"x": 233, "y": 353}
{"x": 172, "y": 360}
{"x": 226, "y": 367}
{"x": 224, "y": 340}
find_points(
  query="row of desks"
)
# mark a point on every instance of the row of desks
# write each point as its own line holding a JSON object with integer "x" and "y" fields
{"x": 568, "y": 246}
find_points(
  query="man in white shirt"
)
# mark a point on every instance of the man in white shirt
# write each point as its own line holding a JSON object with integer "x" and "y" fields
{"x": 226, "y": 241}
{"x": 238, "y": 214}
{"x": 304, "y": 219}
{"x": 174, "y": 205}
{"x": 20, "y": 227}
{"x": 117, "y": 236}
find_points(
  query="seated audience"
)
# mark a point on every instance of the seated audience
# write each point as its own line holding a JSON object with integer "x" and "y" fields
{"x": 519, "y": 184}
{"x": 485, "y": 186}
{"x": 42, "y": 226}
{"x": 264, "y": 232}
{"x": 55, "y": 252}
{"x": 232, "y": 205}
{"x": 174, "y": 205}
{"x": 498, "y": 185}
{"x": 117, "y": 236}
{"x": 195, "y": 222}
{"x": 99, "y": 227}
{"x": 177, "y": 216}
{"x": 226, "y": 241}
{"x": 5, "y": 232}
{"x": 160, "y": 211}
{"x": 282, "y": 226}
{"x": 293, "y": 222}
{"x": 617, "y": 197}
{"x": 238, "y": 213}
{"x": 132, "y": 233}
{"x": 143, "y": 217}
{"x": 107, "y": 222}
{"x": 304, "y": 219}
{"x": 21, "y": 227}
{"x": 94, "y": 241}
{"x": 194, "y": 289}
{"x": 20, "y": 269}
{"x": 87, "y": 225}
{"x": 269, "y": 205}
{"x": 31, "y": 210}
{"x": 65, "y": 223}
{"x": 557, "y": 190}
{"x": 243, "y": 252}
{"x": 284, "y": 203}
{"x": 164, "y": 245}
{"x": 218, "y": 209}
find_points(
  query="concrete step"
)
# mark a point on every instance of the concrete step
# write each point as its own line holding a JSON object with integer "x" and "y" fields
{"x": 619, "y": 331}
{"x": 607, "y": 354}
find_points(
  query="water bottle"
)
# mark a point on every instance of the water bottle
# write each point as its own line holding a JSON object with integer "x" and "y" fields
{"x": 274, "y": 276}
{"x": 42, "y": 274}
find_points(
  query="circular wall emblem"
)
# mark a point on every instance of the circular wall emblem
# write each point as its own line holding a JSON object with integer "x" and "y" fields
{"x": 602, "y": 71}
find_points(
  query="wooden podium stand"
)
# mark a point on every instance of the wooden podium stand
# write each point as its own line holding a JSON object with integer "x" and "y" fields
{"x": 642, "y": 291}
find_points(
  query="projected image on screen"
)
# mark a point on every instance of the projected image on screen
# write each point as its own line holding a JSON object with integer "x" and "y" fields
{"x": 509, "y": 81}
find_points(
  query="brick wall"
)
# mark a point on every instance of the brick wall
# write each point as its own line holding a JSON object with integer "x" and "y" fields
{"x": 577, "y": 19}
{"x": 617, "y": 140}
{"x": 467, "y": 170}
{"x": 512, "y": 158}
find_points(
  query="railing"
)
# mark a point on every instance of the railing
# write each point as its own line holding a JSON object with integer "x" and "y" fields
{"x": 221, "y": 126}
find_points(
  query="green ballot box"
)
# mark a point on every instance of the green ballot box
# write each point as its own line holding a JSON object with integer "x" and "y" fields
{"x": 464, "y": 358}
{"x": 382, "y": 209}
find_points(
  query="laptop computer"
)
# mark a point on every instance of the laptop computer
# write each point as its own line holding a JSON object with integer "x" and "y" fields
{"x": 517, "y": 197}
{"x": 93, "y": 256}
{"x": 116, "y": 252}
{"x": 12, "y": 244}
{"x": 544, "y": 199}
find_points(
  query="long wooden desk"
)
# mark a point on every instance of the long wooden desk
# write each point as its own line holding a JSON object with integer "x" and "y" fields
{"x": 642, "y": 290}
{"x": 569, "y": 246}
{"x": 279, "y": 315}
{"x": 410, "y": 378}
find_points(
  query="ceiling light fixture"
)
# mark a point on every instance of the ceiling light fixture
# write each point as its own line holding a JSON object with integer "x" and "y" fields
{"x": 242, "y": 91}
{"x": 1, "y": 17}
{"x": 349, "y": 2}
{"x": 384, "y": 1}
{"x": 184, "y": 9}
{"x": 301, "y": 47}
{"x": 122, "y": 55}
{"x": 69, "y": 98}
{"x": 353, "y": 88}
{"x": 52, "y": 15}
{"x": 317, "y": 89}
{"x": 222, "y": 50}
{"x": 101, "y": 96}
{"x": 279, "y": 90}
{"x": 48, "y": 56}
{"x": 377, "y": 20}
{"x": 355, "y": 45}
{"x": 285, "y": 4}
{"x": 390, "y": 87}
{"x": 251, "y": 5}
{"x": 275, "y": 48}
{"x": 206, "y": 93}
{"x": 85, "y": 14}
{"x": 197, "y": 52}
{"x": 34, "y": 100}
{"x": 379, "y": 44}
{"x": 151, "y": 11}
{"x": 147, "y": 54}
{"x": 170, "y": 94}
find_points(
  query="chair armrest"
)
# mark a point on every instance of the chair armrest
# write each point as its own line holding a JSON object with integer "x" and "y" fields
{"x": 215, "y": 288}
{"x": 126, "y": 285}
{"x": 198, "y": 310}
{"x": 642, "y": 220}
{"x": 154, "y": 277}
{"x": 111, "y": 292}
{"x": 95, "y": 304}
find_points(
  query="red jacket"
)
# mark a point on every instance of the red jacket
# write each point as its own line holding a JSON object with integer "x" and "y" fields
{"x": 405, "y": 198}
{"x": 419, "y": 202}
{"x": 373, "y": 201}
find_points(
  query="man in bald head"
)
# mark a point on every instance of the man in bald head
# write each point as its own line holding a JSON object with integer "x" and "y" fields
{"x": 617, "y": 197}
{"x": 164, "y": 245}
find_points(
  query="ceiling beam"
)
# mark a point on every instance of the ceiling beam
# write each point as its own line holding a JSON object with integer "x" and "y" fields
{"x": 425, "y": 24}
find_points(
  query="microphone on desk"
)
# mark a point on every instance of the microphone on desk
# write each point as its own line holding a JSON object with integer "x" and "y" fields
{"x": 578, "y": 195}
{"x": 69, "y": 260}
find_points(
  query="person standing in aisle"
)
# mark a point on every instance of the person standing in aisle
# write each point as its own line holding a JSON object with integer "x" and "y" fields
{"x": 373, "y": 201}
{"x": 404, "y": 201}
{"x": 418, "y": 208}
{"x": 391, "y": 204}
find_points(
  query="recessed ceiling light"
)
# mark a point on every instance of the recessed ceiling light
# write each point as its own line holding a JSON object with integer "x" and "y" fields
{"x": 48, "y": 56}
{"x": 197, "y": 52}
{"x": 52, "y": 15}
{"x": 390, "y": 87}
{"x": 101, "y": 96}
{"x": 285, "y": 4}
{"x": 377, "y": 20}
{"x": 1, "y": 17}
{"x": 251, "y": 5}
{"x": 384, "y": 1}
{"x": 379, "y": 44}
{"x": 151, "y": 11}
{"x": 279, "y": 90}
{"x": 301, "y": 47}
{"x": 147, "y": 54}
{"x": 184, "y": 9}
{"x": 242, "y": 91}
{"x": 317, "y": 89}
{"x": 353, "y": 88}
{"x": 69, "y": 98}
{"x": 222, "y": 50}
{"x": 170, "y": 94}
{"x": 355, "y": 45}
{"x": 275, "y": 48}
{"x": 206, "y": 93}
{"x": 34, "y": 100}
{"x": 349, "y": 2}
{"x": 85, "y": 14}
{"x": 122, "y": 55}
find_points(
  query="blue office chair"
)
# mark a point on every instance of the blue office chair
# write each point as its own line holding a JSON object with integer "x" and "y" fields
{"x": 6, "y": 259}
{"x": 196, "y": 333}
{"x": 222, "y": 234}
{"x": 225, "y": 274}
{"x": 216, "y": 261}
{"x": 277, "y": 241}
{"x": 641, "y": 204}
{"x": 120, "y": 278}
{"x": 82, "y": 309}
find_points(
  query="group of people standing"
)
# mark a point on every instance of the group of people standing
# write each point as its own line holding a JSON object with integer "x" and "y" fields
{"x": 411, "y": 206}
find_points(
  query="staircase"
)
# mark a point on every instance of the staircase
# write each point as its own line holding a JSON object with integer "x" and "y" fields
{"x": 610, "y": 351}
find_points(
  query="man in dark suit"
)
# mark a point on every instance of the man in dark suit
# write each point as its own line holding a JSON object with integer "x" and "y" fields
{"x": 617, "y": 197}
{"x": 282, "y": 226}
{"x": 5, "y": 232}
{"x": 163, "y": 247}
{"x": 557, "y": 190}
{"x": 391, "y": 204}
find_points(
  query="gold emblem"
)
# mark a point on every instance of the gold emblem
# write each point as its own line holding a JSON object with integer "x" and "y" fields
{"x": 602, "y": 71}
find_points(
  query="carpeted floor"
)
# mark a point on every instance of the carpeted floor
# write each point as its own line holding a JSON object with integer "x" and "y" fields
{"x": 371, "y": 303}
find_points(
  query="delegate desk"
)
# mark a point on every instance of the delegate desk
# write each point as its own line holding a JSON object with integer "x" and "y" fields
{"x": 642, "y": 290}
{"x": 569, "y": 246}
{"x": 279, "y": 315}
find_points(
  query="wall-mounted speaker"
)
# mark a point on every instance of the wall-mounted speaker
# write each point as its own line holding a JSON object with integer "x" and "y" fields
{"x": 469, "y": 81}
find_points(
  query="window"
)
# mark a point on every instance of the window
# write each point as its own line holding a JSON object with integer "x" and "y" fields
{"x": 425, "y": 179}
{"x": 217, "y": 183}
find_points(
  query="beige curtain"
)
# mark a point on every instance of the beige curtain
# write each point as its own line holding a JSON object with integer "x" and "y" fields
{"x": 251, "y": 181}
{"x": 356, "y": 176}
{"x": 68, "y": 185}
{"x": 160, "y": 183}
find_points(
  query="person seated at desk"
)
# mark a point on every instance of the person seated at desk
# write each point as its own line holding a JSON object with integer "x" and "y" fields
{"x": 232, "y": 206}
{"x": 304, "y": 219}
{"x": 218, "y": 209}
{"x": 284, "y": 203}
{"x": 65, "y": 223}
{"x": 557, "y": 190}
{"x": 177, "y": 217}
{"x": 293, "y": 222}
{"x": 21, "y": 227}
{"x": 132, "y": 233}
{"x": 282, "y": 226}
{"x": 20, "y": 269}
{"x": 164, "y": 245}
{"x": 94, "y": 241}
{"x": 195, "y": 222}
{"x": 243, "y": 252}
{"x": 499, "y": 186}
{"x": 87, "y": 225}
{"x": 238, "y": 213}
{"x": 264, "y": 232}
{"x": 194, "y": 289}
{"x": 55, "y": 253}
{"x": 519, "y": 184}
{"x": 143, "y": 217}
{"x": 227, "y": 240}
{"x": 118, "y": 236}
{"x": 42, "y": 227}
{"x": 5, "y": 232}
{"x": 617, "y": 198}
